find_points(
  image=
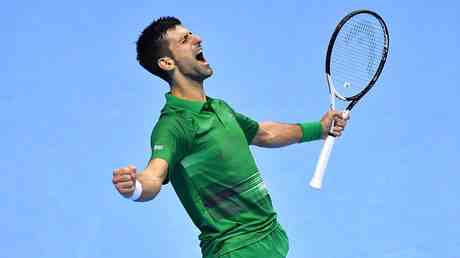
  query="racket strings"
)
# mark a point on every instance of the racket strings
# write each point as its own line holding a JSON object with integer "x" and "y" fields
{"x": 356, "y": 54}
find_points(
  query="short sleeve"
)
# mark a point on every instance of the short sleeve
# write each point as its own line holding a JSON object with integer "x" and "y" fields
{"x": 169, "y": 141}
{"x": 248, "y": 125}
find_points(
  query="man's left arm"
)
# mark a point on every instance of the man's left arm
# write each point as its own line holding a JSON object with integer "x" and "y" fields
{"x": 275, "y": 135}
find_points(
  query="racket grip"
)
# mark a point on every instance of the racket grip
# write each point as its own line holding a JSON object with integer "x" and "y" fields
{"x": 317, "y": 179}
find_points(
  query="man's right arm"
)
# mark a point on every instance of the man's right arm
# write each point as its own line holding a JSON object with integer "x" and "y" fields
{"x": 151, "y": 179}
{"x": 170, "y": 141}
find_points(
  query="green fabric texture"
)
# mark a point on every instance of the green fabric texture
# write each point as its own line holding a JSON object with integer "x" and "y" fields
{"x": 311, "y": 131}
{"x": 213, "y": 172}
{"x": 274, "y": 245}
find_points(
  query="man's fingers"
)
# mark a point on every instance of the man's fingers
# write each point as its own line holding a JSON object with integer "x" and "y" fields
{"x": 126, "y": 170}
{"x": 337, "y": 128}
{"x": 126, "y": 190}
{"x": 125, "y": 185}
{"x": 337, "y": 118}
{"x": 339, "y": 115}
{"x": 121, "y": 171}
{"x": 341, "y": 123}
{"x": 337, "y": 133}
{"x": 338, "y": 121}
{"x": 336, "y": 114}
{"x": 123, "y": 178}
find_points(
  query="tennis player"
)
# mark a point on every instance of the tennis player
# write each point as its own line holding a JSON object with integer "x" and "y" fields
{"x": 201, "y": 145}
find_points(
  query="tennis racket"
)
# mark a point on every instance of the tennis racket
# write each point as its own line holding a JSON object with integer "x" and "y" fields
{"x": 355, "y": 57}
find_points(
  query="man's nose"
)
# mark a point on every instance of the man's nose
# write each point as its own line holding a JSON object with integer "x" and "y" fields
{"x": 197, "y": 39}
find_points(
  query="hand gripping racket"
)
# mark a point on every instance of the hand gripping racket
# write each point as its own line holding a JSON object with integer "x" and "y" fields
{"x": 355, "y": 58}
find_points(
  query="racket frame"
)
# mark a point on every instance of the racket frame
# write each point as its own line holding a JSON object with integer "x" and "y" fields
{"x": 354, "y": 99}
{"x": 318, "y": 175}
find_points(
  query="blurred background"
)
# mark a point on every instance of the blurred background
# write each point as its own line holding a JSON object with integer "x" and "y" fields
{"x": 75, "y": 105}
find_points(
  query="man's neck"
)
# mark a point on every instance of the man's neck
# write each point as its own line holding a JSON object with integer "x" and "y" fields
{"x": 186, "y": 89}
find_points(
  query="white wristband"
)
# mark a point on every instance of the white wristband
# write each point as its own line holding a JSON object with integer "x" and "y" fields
{"x": 137, "y": 191}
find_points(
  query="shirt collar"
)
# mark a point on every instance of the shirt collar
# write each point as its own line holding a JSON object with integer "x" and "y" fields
{"x": 192, "y": 105}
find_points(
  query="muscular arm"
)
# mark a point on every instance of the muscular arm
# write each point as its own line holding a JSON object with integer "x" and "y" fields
{"x": 274, "y": 135}
{"x": 152, "y": 178}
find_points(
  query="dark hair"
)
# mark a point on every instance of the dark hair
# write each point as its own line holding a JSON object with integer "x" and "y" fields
{"x": 151, "y": 45}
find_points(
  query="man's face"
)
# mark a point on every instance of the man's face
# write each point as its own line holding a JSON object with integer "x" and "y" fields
{"x": 188, "y": 54}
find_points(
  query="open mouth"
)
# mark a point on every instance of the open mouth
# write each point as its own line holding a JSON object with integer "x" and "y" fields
{"x": 200, "y": 57}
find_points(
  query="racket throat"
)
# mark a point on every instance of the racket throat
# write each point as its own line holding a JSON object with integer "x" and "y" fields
{"x": 352, "y": 104}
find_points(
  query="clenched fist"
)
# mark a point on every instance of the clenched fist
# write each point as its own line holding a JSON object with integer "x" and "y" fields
{"x": 124, "y": 180}
{"x": 336, "y": 119}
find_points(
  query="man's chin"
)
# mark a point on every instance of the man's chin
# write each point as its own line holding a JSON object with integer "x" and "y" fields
{"x": 208, "y": 72}
{"x": 200, "y": 73}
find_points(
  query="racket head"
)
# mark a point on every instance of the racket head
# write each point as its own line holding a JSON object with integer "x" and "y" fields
{"x": 356, "y": 54}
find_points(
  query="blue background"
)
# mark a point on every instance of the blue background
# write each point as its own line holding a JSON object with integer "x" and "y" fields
{"x": 75, "y": 105}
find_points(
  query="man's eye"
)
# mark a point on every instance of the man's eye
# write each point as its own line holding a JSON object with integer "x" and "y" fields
{"x": 186, "y": 37}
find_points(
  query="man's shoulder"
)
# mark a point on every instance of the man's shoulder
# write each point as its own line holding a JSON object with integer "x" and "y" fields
{"x": 224, "y": 104}
{"x": 174, "y": 119}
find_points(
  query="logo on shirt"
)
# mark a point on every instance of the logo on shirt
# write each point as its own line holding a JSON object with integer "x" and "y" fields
{"x": 158, "y": 147}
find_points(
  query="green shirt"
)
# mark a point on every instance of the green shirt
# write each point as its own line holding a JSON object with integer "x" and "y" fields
{"x": 212, "y": 170}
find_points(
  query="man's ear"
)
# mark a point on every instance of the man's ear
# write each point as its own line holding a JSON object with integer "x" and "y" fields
{"x": 166, "y": 63}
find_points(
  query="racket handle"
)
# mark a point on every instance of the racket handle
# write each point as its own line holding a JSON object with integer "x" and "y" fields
{"x": 317, "y": 179}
